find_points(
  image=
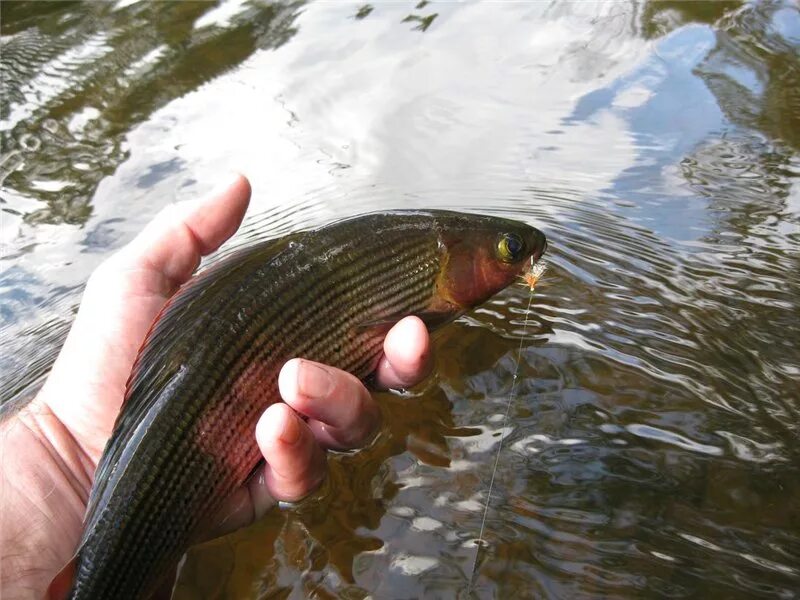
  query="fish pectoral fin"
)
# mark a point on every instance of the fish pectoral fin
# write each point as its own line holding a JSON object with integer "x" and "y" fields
{"x": 61, "y": 585}
{"x": 432, "y": 319}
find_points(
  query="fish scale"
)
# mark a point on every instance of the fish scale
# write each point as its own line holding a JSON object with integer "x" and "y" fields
{"x": 326, "y": 297}
{"x": 267, "y": 333}
{"x": 208, "y": 369}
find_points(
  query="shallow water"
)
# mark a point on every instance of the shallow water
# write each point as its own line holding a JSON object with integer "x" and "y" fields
{"x": 652, "y": 447}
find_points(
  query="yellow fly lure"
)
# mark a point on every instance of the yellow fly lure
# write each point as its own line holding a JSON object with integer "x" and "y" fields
{"x": 535, "y": 273}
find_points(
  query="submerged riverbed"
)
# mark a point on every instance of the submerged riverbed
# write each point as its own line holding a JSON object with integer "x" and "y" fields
{"x": 653, "y": 442}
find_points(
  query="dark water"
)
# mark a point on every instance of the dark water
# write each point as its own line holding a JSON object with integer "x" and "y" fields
{"x": 653, "y": 446}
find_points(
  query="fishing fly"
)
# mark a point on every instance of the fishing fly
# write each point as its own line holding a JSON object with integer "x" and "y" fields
{"x": 530, "y": 278}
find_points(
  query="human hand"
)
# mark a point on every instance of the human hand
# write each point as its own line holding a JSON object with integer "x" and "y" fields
{"x": 51, "y": 448}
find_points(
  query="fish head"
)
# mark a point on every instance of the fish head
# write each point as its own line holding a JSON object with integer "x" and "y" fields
{"x": 482, "y": 255}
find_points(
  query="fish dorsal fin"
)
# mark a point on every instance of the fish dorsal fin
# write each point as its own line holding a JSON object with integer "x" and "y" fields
{"x": 159, "y": 366}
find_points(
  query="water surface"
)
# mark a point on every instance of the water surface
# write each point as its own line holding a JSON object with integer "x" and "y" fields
{"x": 652, "y": 447}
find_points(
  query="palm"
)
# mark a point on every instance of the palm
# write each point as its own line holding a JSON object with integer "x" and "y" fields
{"x": 96, "y": 360}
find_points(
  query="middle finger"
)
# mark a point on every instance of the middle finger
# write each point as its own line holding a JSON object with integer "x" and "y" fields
{"x": 341, "y": 412}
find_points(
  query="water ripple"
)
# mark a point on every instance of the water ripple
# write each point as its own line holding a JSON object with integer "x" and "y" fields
{"x": 651, "y": 448}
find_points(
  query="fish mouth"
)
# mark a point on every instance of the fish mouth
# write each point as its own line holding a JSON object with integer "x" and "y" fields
{"x": 539, "y": 250}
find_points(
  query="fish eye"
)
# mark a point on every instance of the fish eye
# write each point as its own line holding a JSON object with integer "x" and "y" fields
{"x": 510, "y": 247}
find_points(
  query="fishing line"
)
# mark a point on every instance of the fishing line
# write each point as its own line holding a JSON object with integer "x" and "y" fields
{"x": 502, "y": 439}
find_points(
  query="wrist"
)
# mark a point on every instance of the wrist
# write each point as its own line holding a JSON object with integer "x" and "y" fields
{"x": 44, "y": 485}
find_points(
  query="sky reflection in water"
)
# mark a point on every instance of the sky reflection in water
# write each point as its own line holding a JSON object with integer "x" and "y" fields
{"x": 653, "y": 441}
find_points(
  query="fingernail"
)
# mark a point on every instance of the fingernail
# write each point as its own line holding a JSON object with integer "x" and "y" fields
{"x": 291, "y": 431}
{"x": 313, "y": 380}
